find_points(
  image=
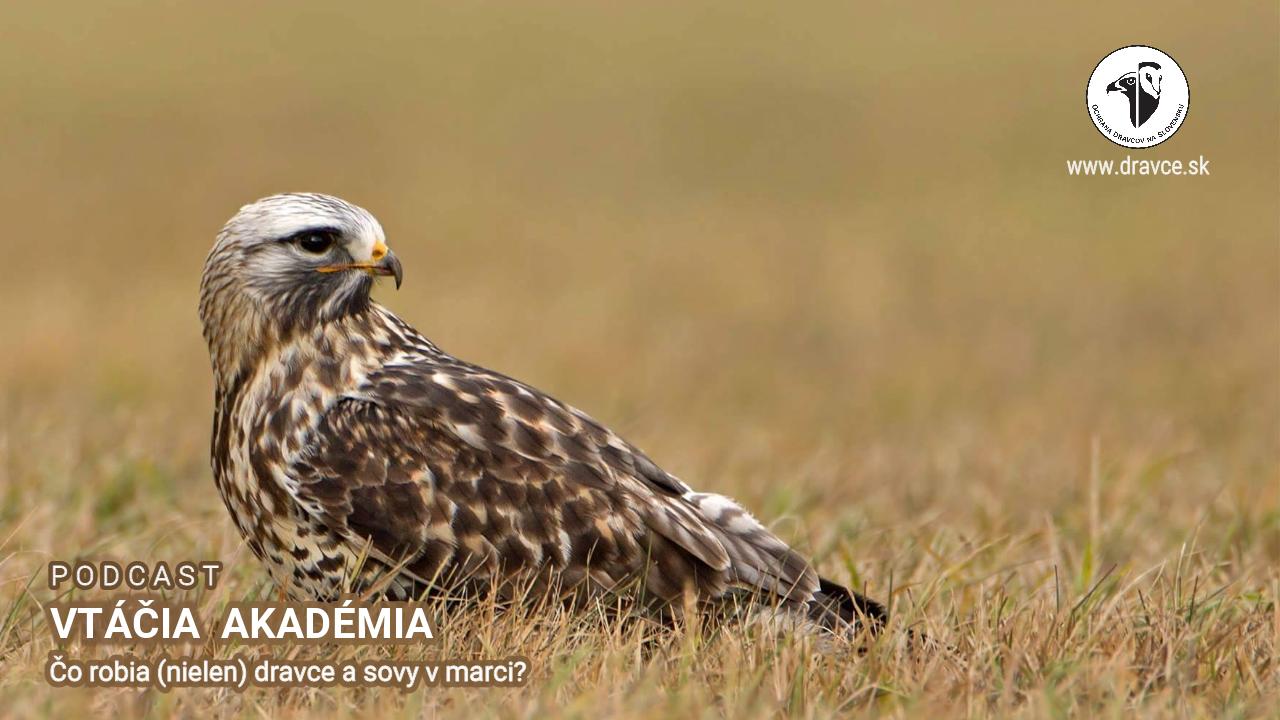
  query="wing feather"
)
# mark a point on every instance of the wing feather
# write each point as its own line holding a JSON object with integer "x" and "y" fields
{"x": 454, "y": 468}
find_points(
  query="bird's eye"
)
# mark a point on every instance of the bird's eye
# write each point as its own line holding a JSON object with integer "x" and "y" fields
{"x": 316, "y": 243}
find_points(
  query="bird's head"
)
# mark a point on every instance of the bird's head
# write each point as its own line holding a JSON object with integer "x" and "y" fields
{"x": 289, "y": 262}
{"x": 1151, "y": 77}
{"x": 1126, "y": 84}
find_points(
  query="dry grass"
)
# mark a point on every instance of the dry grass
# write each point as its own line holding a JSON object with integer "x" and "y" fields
{"x": 827, "y": 262}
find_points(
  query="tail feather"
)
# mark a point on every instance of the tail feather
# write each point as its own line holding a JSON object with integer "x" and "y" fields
{"x": 757, "y": 558}
{"x": 835, "y": 605}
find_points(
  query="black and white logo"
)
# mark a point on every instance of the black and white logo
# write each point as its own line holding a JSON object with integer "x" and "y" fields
{"x": 1138, "y": 96}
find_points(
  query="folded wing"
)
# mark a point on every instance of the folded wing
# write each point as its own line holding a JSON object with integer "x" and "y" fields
{"x": 456, "y": 473}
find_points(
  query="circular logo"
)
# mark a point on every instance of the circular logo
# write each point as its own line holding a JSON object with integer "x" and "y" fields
{"x": 1138, "y": 97}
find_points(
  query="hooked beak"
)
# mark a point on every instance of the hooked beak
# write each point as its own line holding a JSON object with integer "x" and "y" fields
{"x": 390, "y": 265}
{"x": 384, "y": 262}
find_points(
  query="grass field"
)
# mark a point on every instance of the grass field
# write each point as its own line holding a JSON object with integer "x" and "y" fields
{"x": 827, "y": 261}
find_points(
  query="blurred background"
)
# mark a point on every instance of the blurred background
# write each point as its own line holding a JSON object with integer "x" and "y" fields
{"x": 825, "y": 258}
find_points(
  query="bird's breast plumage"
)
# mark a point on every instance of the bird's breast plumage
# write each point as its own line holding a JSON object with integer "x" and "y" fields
{"x": 264, "y": 421}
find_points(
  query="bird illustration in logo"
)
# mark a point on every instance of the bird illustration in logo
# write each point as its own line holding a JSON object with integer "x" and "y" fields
{"x": 1143, "y": 90}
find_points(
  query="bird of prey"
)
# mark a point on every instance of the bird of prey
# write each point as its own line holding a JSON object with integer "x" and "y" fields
{"x": 1142, "y": 88}
{"x": 355, "y": 455}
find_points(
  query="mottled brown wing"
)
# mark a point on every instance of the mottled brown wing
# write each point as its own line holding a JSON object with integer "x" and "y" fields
{"x": 494, "y": 414}
{"x": 466, "y": 471}
{"x": 450, "y": 512}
